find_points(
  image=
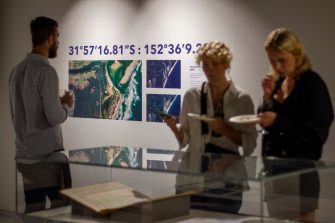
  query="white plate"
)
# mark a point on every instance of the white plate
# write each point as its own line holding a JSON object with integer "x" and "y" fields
{"x": 200, "y": 117}
{"x": 244, "y": 119}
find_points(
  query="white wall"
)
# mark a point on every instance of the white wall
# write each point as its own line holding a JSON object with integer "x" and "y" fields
{"x": 242, "y": 24}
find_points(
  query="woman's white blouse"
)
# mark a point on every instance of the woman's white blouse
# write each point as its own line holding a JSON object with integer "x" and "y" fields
{"x": 235, "y": 102}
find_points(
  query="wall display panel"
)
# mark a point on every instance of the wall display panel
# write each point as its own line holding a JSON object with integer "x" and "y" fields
{"x": 119, "y": 156}
{"x": 106, "y": 31}
{"x": 196, "y": 76}
{"x": 109, "y": 89}
{"x": 163, "y": 73}
{"x": 124, "y": 156}
{"x": 169, "y": 104}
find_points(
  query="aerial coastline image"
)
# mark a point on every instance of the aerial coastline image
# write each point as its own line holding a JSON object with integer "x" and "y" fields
{"x": 166, "y": 103}
{"x": 106, "y": 89}
{"x": 163, "y": 73}
{"x": 116, "y": 156}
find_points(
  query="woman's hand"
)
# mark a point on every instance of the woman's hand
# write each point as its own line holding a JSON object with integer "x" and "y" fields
{"x": 268, "y": 85}
{"x": 171, "y": 122}
{"x": 267, "y": 119}
{"x": 217, "y": 125}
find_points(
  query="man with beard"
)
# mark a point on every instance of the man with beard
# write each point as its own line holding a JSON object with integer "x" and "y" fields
{"x": 37, "y": 112}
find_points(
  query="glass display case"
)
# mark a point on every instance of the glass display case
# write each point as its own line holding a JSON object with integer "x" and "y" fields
{"x": 164, "y": 185}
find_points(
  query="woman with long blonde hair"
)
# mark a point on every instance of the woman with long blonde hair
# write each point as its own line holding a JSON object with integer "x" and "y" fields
{"x": 296, "y": 112}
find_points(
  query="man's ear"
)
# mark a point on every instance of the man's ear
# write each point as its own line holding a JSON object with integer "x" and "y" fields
{"x": 51, "y": 40}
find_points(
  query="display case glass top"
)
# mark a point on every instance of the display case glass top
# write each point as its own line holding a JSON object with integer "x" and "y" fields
{"x": 164, "y": 160}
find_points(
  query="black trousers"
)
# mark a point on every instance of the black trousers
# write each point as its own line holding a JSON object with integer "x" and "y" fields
{"x": 42, "y": 180}
{"x": 309, "y": 182}
{"x": 225, "y": 199}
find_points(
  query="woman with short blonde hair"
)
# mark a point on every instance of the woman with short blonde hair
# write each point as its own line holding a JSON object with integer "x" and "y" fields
{"x": 217, "y": 51}
{"x": 217, "y": 99}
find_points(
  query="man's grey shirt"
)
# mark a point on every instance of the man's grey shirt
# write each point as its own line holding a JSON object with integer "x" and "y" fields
{"x": 35, "y": 107}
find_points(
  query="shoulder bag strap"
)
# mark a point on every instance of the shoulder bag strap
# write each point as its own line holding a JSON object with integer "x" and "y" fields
{"x": 203, "y": 111}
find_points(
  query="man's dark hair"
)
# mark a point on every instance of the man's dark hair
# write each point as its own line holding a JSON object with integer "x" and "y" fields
{"x": 41, "y": 28}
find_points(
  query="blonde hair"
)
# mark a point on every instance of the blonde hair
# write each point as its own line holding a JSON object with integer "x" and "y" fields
{"x": 216, "y": 51}
{"x": 284, "y": 40}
